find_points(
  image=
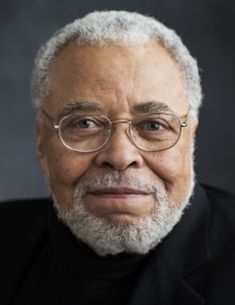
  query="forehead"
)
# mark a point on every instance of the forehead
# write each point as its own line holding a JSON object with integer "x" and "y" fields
{"x": 118, "y": 79}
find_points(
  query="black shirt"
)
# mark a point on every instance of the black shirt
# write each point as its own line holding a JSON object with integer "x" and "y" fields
{"x": 41, "y": 262}
{"x": 89, "y": 278}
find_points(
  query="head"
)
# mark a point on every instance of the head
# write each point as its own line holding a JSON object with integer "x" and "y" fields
{"x": 123, "y": 66}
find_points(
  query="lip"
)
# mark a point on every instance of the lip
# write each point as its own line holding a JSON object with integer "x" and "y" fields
{"x": 118, "y": 193}
{"x": 122, "y": 190}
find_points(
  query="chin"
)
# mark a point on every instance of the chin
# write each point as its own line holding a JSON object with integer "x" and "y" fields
{"x": 123, "y": 232}
{"x": 121, "y": 218}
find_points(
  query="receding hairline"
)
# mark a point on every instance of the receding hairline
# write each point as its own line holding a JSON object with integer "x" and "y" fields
{"x": 73, "y": 43}
{"x": 118, "y": 27}
{"x": 110, "y": 44}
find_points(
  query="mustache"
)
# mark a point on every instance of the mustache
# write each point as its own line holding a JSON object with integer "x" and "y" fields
{"x": 116, "y": 180}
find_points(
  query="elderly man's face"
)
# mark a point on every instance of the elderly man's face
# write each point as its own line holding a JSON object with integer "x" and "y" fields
{"x": 116, "y": 78}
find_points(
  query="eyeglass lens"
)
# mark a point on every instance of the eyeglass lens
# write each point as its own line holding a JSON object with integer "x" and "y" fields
{"x": 89, "y": 133}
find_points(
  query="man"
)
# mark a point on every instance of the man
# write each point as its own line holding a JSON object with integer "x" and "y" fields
{"x": 117, "y": 97}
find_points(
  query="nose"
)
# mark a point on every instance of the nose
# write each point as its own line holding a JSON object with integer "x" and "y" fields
{"x": 119, "y": 153}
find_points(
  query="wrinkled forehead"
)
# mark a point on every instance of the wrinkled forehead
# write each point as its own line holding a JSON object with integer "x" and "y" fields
{"x": 134, "y": 78}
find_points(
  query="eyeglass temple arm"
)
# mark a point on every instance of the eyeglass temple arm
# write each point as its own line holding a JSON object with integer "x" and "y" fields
{"x": 184, "y": 123}
{"x": 56, "y": 126}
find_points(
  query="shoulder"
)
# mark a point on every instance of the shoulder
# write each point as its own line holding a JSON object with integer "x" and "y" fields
{"x": 221, "y": 224}
{"x": 23, "y": 222}
{"x": 219, "y": 195}
{"x": 23, "y": 226}
{"x": 221, "y": 246}
{"x": 21, "y": 214}
{"x": 222, "y": 205}
{"x": 24, "y": 233}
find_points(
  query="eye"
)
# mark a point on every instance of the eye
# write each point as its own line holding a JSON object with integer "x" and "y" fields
{"x": 85, "y": 123}
{"x": 82, "y": 123}
{"x": 154, "y": 126}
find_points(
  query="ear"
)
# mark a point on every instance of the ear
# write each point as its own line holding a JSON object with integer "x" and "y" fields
{"x": 194, "y": 124}
{"x": 40, "y": 143}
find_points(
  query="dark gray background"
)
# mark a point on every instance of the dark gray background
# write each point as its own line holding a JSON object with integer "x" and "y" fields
{"x": 207, "y": 28}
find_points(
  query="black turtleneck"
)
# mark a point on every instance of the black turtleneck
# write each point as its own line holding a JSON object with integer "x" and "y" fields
{"x": 89, "y": 278}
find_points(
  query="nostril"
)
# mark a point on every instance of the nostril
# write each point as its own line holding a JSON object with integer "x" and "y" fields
{"x": 119, "y": 153}
{"x": 119, "y": 167}
{"x": 106, "y": 165}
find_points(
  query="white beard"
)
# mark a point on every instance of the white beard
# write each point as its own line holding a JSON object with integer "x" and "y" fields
{"x": 106, "y": 236}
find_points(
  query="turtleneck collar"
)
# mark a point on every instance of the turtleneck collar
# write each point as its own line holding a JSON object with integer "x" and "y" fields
{"x": 76, "y": 257}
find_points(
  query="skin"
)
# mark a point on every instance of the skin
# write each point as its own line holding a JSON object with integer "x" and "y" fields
{"x": 116, "y": 78}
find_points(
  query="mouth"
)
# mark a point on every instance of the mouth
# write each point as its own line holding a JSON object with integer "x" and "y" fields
{"x": 121, "y": 193}
{"x": 119, "y": 202}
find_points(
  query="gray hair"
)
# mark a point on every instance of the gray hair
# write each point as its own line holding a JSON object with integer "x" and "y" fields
{"x": 117, "y": 28}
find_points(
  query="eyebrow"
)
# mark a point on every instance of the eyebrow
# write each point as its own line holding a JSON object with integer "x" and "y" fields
{"x": 91, "y": 106}
{"x": 84, "y": 106}
{"x": 151, "y": 107}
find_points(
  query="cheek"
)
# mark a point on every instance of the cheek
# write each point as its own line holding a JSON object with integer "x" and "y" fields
{"x": 65, "y": 168}
{"x": 170, "y": 165}
{"x": 173, "y": 167}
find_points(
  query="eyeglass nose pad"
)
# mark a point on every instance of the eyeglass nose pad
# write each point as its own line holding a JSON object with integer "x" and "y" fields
{"x": 109, "y": 135}
{"x": 130, "y": 132}
{"x": 127, "y": 131}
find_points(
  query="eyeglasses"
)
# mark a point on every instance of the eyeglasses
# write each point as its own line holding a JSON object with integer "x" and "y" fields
{"x": 90, "y": 133}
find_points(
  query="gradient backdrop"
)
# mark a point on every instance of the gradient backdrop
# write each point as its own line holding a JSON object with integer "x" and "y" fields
{"x": 207, "y": 28}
